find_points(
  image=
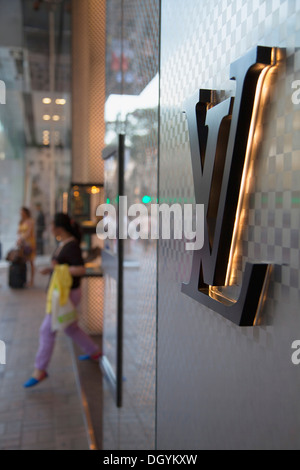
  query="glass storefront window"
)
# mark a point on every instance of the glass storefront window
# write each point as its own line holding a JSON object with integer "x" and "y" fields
{"x": 131, "y": 109}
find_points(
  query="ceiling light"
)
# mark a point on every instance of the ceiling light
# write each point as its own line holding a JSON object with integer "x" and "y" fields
{"x": 60, "y": 101}
{"x": 47, "y": 100}
{"x": 46, "y": 117}
{"x": 56, "y": 117}
{"x": 95, "y": 190}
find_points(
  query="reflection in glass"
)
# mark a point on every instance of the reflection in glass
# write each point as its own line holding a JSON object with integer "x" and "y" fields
{"x": 132, "y": 91}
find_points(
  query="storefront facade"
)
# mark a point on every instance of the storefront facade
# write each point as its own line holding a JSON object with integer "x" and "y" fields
{"x": 202, "y": 99}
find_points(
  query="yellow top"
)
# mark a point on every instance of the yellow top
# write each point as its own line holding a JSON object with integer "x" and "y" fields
{"x": 61, "y": 280}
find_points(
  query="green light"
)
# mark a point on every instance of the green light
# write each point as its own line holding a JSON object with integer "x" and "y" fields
{"x": 108, "y": 201}
{"x": 146, "y": 199}
{"x": 296, "y": 201}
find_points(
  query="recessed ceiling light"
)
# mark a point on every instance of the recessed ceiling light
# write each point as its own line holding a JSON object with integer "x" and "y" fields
{"x": 61, "y": 101}
{"x": 47, "y": 100}
{"x": 46, "y": 117}
{"x": 56, "y": 117}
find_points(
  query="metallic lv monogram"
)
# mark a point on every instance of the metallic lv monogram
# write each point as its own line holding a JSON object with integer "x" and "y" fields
{"x": 219, "y": 139}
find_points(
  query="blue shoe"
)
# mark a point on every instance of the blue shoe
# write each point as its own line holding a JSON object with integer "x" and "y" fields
{"x": 84, "y": 357}
{"x": 92, "y": 357}
{"x": 32, "y": 381}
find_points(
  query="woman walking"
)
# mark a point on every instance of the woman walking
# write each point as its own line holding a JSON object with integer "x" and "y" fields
{"x": 68, "y": 253}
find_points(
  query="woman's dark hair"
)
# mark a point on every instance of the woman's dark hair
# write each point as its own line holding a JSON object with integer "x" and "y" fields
{"x": 26, "y": 211}
{"x": 64, "y": 221}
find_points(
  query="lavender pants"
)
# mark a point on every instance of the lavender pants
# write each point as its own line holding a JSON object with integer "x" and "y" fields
{"x": 47, "y": 337}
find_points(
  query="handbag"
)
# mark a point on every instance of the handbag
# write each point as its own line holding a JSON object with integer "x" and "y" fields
{"x": 15, "y": 256}
{"x": 27, "y": 250}
{"x": 62, "y": 315}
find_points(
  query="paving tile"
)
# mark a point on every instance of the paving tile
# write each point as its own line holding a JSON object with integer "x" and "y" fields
{"x": 71, "y": 442}
{"x": 7, "y": 443}
{"x": 29, "y": 437}
{"x": 13, "y": 428}
{"x": 40, "y": 446}
{"x": 46, "y": 435}
{"x": 14, "y": 415}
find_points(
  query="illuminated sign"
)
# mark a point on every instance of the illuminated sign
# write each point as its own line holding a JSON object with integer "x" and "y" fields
{"x": 221, "y": 139}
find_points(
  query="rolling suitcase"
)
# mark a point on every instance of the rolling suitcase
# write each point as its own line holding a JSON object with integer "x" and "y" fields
{"x": 17, "y": 275}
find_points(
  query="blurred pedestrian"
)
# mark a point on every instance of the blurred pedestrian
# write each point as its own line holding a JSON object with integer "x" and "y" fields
{"x": 40, "y": 228}
{"x": 68, "y": 253}
{"x": 27, "y": 241}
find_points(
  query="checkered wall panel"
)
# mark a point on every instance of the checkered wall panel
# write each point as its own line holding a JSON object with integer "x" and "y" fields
{"x": 88, "y": 90}
{"x": 221, "y": 386}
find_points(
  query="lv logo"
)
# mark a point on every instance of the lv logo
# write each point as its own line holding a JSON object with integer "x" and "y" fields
{"x": 219, "y": 142}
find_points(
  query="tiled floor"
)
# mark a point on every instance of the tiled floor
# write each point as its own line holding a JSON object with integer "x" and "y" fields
{"x": 49, "y": 416}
